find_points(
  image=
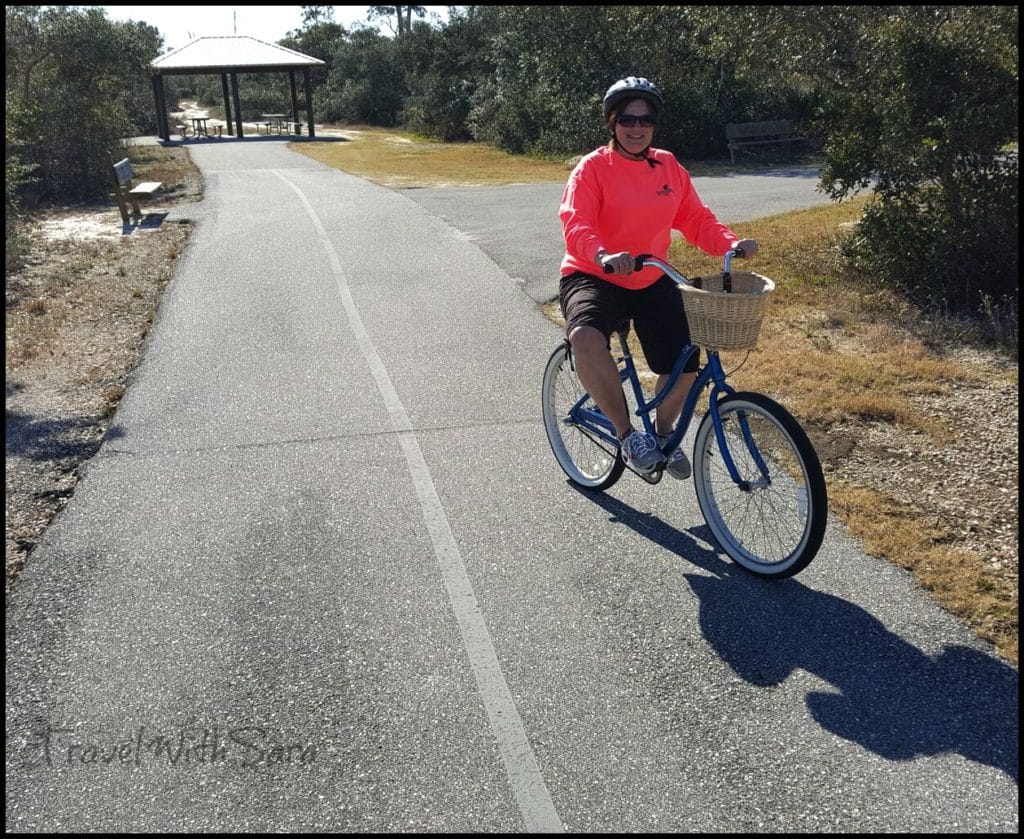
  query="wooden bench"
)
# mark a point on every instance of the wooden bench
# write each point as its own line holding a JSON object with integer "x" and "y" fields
{"x": 182, "y": 130}
{"x": 127, "y": 193}
{"x": 742, "y": 135}
{"x": 295, "y": 128}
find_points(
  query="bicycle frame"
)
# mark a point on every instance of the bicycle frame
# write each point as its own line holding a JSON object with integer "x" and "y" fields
{"x": 711, "y": 374}
{"x": 756, "y": 476}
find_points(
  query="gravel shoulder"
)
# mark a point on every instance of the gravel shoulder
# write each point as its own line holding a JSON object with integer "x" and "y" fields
{"x": 77, "y": 315}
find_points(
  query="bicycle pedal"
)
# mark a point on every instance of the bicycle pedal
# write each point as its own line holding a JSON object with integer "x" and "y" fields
{"x": 652, "y": 477}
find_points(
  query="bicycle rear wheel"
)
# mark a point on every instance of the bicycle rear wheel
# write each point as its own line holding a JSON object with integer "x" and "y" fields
{"x": 585, "y": 459}
{"x": 773, "y": 522}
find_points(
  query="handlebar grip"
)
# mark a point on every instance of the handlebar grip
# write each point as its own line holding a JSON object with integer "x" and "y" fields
{"x": 638, "y": 263}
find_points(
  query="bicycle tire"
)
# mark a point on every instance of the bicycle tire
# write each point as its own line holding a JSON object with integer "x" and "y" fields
{"x": 587, "y": 461}
{"x": 773, "y": 529}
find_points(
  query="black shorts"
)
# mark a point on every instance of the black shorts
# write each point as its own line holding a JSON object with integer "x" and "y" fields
{"x": 656, "y": 311}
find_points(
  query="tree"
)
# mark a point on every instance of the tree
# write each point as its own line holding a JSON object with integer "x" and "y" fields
{"x": 366, "y": 83}
{"x": 17, "y": 175}
{"x": 77, "y": 84}
{"x": 441, "y": 68}
{"x": 928, "y": 126}
{"x": 917, "y": 103}
{"x": 319, "y": 37}
{"x": 313, "y": 15}
{"x": 534, "y": 94}
{"x": 402, "y": 14}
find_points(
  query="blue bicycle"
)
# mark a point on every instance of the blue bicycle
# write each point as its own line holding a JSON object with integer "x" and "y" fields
{"x": 758, "y": 480}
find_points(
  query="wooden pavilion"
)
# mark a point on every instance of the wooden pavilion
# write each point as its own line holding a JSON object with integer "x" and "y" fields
{"x": 228, "y": 56}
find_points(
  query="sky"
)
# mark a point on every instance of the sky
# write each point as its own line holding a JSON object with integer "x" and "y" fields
{"x": 180, "y": 24}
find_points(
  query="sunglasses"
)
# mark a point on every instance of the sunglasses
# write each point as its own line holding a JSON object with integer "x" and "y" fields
{"x": 629, "y": 120}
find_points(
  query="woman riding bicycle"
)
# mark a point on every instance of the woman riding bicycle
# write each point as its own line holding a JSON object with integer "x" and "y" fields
{"x": 622, "y": 200}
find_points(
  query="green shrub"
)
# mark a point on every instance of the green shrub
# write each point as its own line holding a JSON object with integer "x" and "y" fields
{"x": 955, "y": 246}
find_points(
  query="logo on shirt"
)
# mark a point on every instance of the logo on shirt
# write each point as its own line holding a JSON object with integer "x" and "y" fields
{"x": 665, "y": 190}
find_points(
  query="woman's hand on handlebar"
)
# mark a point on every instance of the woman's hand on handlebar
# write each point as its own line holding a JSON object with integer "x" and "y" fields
{"x": 745, "y": 247}
{"x": 617, "y": 263}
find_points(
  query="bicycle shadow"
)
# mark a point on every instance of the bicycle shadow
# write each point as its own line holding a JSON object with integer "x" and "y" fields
{"x": 890, "y": 697}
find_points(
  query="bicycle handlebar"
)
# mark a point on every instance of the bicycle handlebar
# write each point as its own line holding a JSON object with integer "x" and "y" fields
{"x": 644, "y": 260}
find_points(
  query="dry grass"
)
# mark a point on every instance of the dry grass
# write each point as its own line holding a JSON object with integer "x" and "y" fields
{"x": 69, "y": 283}
{"x": 78, "y": 305}
{"x": 398, "y": 159}
{"x": 914, "y": 540}
{"x": 837, "y": 350}
{"x": 171, "y": 166}
{"x": 820, "y": 320}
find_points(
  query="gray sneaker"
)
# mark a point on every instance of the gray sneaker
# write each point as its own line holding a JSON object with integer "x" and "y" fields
{"x": 677, "y": 465}
{"x": 640, "y": 452}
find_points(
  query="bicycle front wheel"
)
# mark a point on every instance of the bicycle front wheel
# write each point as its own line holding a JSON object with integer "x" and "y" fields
{"x": 773, "y": 521}
{"x": 584, "y": 458}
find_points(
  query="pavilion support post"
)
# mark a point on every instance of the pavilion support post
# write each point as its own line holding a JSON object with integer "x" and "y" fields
{"x": 295, "y": 98}
{"x": 227, "y": 102}
{"x": 238, "y": 106}
{"x": 162, "y": 127}
{"x": 309, "y": 101}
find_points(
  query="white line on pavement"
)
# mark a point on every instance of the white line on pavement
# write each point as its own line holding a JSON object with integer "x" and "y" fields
{"x": 528, "y": 787}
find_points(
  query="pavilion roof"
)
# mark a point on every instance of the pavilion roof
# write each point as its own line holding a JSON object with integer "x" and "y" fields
{"x": 223, "y": 53}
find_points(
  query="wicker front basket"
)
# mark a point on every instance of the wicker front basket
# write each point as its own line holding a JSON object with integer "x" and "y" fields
{"x": 727, "y": 321}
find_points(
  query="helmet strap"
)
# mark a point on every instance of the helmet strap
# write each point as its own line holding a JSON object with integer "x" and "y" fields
{"x": 638, "y": 156}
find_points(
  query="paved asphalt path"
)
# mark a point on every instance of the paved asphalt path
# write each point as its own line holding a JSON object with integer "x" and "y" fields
{"x": 517, "y": 226}
{"x": 324, "y": 574}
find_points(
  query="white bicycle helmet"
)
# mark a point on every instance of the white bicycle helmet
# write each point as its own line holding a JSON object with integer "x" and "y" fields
{"x": 632, "y": 87}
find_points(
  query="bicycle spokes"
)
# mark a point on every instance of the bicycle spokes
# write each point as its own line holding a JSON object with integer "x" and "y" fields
{"x": 759, "y": 485}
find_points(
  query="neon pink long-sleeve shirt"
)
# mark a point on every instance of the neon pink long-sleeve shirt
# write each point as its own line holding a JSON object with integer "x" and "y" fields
{"x": 620, "y": 205}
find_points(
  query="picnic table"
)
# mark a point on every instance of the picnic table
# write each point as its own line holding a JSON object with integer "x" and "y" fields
{"x": 199, "y": 126}
{"x": 275, "y": 121}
